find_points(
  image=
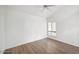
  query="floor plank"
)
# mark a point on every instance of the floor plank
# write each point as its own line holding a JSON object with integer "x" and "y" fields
{"x": 45, "y": 46}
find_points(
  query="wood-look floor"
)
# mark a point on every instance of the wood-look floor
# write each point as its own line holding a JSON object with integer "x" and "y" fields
{"x": 45, "y": 46}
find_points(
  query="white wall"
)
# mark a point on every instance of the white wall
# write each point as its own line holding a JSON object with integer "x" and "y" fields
{"x": 2, "y": 31}
{"x": 22, "y": 27}
{"x": 67, "y": 20}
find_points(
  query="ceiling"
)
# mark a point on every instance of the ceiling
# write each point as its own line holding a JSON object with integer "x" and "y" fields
{"x": 37, "y": 10}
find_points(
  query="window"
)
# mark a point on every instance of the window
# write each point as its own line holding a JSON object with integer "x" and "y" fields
{"x": 52, "y": 28}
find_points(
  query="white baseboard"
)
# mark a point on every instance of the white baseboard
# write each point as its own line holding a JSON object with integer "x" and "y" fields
{"x": 51, "y": 37}
{"x": 35, "y": 39}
